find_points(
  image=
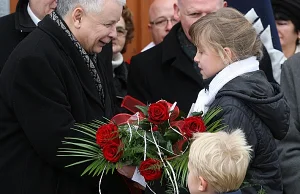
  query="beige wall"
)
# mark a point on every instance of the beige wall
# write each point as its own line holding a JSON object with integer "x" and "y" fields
{"x": 141, "y": 35}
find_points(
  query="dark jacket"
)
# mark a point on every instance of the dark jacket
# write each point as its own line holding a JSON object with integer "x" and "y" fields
{"x": 120, "y": 82}
{"x": 14, "y": 28}
{"x": 251, "y": 103}
{"x": 289, "y": 147}
{"x": 46, "y": 87}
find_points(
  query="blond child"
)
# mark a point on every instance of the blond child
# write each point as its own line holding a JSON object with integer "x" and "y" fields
{"x": 218, "y": 162}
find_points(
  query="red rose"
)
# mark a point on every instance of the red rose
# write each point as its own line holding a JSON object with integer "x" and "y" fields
{"x": 107, "y": 133}
{"x": 150, "y": 169}
{"x": 158, "y": 112}
{"x": 192, "y": 125}
{"x": 112, "y": 152}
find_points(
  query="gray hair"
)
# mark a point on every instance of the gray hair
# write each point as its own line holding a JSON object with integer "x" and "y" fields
{"x": 64, "y": 6}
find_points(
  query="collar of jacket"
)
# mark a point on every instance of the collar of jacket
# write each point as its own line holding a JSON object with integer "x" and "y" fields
{"x": 171, "y": 48}
{"x": 23, "y": 22}
{"x": 48, "y": 26}
{"x": 172, "y": 54}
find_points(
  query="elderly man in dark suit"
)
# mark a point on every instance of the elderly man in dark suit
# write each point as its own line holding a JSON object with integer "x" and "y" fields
{"x": 52, "y": 80}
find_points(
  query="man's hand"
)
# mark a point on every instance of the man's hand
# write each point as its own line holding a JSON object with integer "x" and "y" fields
{"x": 127, "y": 171}
{"x": 132, "y": 173}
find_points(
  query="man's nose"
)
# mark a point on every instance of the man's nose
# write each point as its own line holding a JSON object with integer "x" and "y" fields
{"x": 113, "y": 33}
{"x": 169, "y": 25}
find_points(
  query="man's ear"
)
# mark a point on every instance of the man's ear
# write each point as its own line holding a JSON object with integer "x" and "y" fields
{"x": 149, "y": 27}
{"x": 202, "y": 184}
{"x": 176, "y": 12}
{"x": 225, "y": 4}
{"x": 77, "y": 16}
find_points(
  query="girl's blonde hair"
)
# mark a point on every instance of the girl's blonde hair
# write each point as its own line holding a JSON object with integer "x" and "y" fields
{"x": 221, "y": 158}
{"x": 227, "y": 27}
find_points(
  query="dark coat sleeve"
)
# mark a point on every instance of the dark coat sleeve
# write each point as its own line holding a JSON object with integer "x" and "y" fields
{"x": 263, "y": 170}
{"x": 290, "y": 81}
{"x": 289, "y": 147}
{"x": 39, "y": 94}
{"x": 137, "y": 81}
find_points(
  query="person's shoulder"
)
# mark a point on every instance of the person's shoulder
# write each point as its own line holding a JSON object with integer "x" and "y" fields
{"x": 292, "y": 62}
{"x": 150, "y": 53}
{"x": 148, "y": 57}
{"x": 228, "y": 102}
{"x": 7, "y": 24}
{"x": 7, "y": 20}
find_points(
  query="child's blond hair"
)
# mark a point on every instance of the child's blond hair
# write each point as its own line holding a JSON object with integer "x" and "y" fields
{"x": 221, "y": 158}
{"x": 226, "y": 27}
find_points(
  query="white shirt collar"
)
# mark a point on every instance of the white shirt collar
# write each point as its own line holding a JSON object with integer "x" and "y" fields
{"x": 35, "y": 19}
{"x": 150, "y": 45}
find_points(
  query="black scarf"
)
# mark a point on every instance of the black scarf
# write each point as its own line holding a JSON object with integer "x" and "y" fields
{"x": 188, "y": 48}
{"x": 90, "y": 60}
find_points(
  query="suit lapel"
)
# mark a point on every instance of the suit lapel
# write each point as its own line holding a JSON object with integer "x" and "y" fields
{"x": 183, "y": 64}
{"x": 172, "y": 51}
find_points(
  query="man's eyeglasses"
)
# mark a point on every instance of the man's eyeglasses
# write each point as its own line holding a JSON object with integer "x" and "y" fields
{"x": 163, "y": 21}
{"x": 121, "y": 31}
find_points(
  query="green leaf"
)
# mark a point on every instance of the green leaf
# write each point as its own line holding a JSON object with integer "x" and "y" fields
{"x": 211, "y": 114}
{"x": 169, "y": 146}
{"x": 86, "y": 130}
{"x": 80, "y": 162}
{"x": 143, "y": 109}
{"x": 82, "y": 145}
{"x": 79, "y": 153}
{"x": 172, "y": 136}
{"x": 71, "y": 150}
{"x": 83, "y": 140}
{"x": 90, "y": 167}
{"x": 197, "y": 114}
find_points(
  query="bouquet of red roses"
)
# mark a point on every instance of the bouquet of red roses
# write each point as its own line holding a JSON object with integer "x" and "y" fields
{"x": 155, "y": 138}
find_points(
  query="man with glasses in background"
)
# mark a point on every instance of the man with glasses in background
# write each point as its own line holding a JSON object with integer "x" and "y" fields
{"x": 161, "y": 16}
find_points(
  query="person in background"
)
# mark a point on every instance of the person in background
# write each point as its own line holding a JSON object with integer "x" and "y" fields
{"x": 289, "y": 147}
{"x": 161, "y": 15}
{"x": 53, "y": 80}
{"x": 287, "y": 18}
{"x": 125, "y": 33}
{"x": 16, "y": 26}
{"x": 229, "y": 64}
{"x": 218, "y": 162}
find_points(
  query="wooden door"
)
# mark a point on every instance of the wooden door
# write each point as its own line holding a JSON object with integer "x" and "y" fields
{"x": 142, "y": 36}
{"x": 13, "y": 4}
